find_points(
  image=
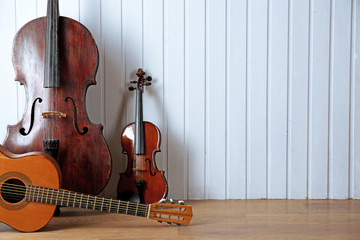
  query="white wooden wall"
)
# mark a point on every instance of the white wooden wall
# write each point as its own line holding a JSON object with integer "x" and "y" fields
{"x": 254, "y": 98}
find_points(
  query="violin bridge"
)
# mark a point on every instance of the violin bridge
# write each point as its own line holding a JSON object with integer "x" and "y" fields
{"x": 53, "y": 114}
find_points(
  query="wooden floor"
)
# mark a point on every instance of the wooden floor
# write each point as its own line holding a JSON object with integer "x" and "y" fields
{"x": 222, "y": 219}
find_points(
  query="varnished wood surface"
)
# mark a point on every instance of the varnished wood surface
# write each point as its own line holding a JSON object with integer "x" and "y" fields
{"x": 215, "y": 219}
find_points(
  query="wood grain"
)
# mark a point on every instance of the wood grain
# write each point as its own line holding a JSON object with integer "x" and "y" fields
{"x": 213, "y": 219}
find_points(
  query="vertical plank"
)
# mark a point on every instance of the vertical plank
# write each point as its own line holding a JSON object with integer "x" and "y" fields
{"x": 174, "y": 97}
{"x": 215, "y": 99}
{"x": 70, "y": 9}
{"x": 195, "y": 96}
{"x": 115, "y": 89}
{"x": 41, "y": 8}
{"x": 277, "y": 98}
{"x": 8, "y": 88}
{"x": 257, "y": 99}
{"x": 132, "y": 50}
{"x": 236, "y": 99}
{"x": 355, "y": 85}
{"x": 319, "y": 99}
{"x": 298, "y": 98}
{"x": 153, "y": 62}
{"x": 339, "y": 100}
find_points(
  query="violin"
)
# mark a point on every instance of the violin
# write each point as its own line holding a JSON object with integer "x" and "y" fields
{"x": 56, "y": 59}
{"x": 29, "y": 194}
{"x": 142, "y": 181}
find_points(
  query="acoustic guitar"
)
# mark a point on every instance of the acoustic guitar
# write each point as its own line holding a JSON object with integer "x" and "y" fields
{"x": 29, "y": 194}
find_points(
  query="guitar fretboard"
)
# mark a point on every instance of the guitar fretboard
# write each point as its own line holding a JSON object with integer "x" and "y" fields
{"x": 66, "y": 198}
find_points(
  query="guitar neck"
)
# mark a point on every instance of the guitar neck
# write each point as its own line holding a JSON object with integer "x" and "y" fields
{"x": 66, "y": 198}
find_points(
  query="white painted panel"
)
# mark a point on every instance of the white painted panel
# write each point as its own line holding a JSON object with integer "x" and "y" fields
{"x": 70, "y": 9}
{"x": 277, "y": 99}
{"x": 115, "y": 89}
{"x": 298, "y": 98}
{"x": 195, "y": 96}
{"x": 356, "y": 102}
{"x": 8, "y": 89}
{"x": 215, "y": 99}
{"x": 132, "y": 51}
{"x": 174, "y": 103}
{"x": 42, "y": 8}
{"x": 319, "y": 96}
{"x": 236, "y": 99}
{"x": 339, "y": 99}
{"x": 257, "y": 99}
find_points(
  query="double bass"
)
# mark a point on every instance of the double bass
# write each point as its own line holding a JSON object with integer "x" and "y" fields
{"x": 142, "y": 181}
{"x": 56, "y": 59}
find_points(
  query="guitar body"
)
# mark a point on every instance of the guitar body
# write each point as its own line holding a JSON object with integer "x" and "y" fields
{"x": 37, "y": 169}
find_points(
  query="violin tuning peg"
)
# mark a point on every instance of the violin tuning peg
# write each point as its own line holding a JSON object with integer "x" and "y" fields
{"x": 163, "y": 200}
{"x": 147, "y": 84}
{"x": 149, "y": 78}
{"x": 132, "y": 88}
{"x": 181, "y": 202}
{"x": 171, "y": 201}
{"x": 133, "y": 82}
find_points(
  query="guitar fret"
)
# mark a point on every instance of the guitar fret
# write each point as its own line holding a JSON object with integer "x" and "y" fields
{"x": 62, "y": 198}
{"x": 74, "y": 200}
{"x": 51, "y": 198}
{"x": 37, "y": 196}
{"x": 110, "y": 206}
{"x": 127, "y": 206}
{"x": 57, "y": 195}
{"x": 87, "y": 202}
{"x": 94, "y": 203}
{"x": 47, "y": 193}
{"x": 68, "y": 199}
{"x": 136, "y": 209}
{"x": 118, "y": 206}
{"x": 102, "y": 204}
{"x": 80, "y": 200}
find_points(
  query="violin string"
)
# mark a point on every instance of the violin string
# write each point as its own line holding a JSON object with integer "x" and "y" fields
{"x": 20, "y": 190}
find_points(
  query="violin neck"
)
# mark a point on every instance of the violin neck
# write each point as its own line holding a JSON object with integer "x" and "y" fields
{"x": 139, "y": 125}
{"x": 52, "y": 73}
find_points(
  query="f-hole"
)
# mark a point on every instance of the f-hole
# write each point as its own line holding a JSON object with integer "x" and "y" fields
{"x": 85, "y": 129}
{"x": 13, "y": 190}
{"x": 22, "y": 130}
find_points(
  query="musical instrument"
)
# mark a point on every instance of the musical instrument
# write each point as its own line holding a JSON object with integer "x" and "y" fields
{"x": 141, "y": 181}
{"x": 29, "y": 193}
{"x": 56, "y": 59}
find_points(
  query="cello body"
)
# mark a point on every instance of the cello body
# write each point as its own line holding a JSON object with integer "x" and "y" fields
{"x": 55, "y": 120}
{"x": 142, "y": 181}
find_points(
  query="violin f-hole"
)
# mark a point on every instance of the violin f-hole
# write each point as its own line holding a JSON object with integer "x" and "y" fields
{"x": 85, "y": 129}
{"x": 148, "y": 160}
{"x": 22, "y": 130}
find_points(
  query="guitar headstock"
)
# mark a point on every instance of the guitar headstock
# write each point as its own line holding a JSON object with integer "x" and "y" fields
{"x": 171, "y": 213}
{"x": 142, "y": 80}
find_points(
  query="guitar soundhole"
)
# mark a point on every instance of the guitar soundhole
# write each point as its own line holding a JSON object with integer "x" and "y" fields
{"x": 13, "y": 190}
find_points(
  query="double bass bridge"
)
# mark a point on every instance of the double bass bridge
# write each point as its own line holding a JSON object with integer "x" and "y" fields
{"x": 50, "y": 114}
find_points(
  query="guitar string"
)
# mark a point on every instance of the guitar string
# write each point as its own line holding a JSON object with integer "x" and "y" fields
{"x": 19, "y": 190}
